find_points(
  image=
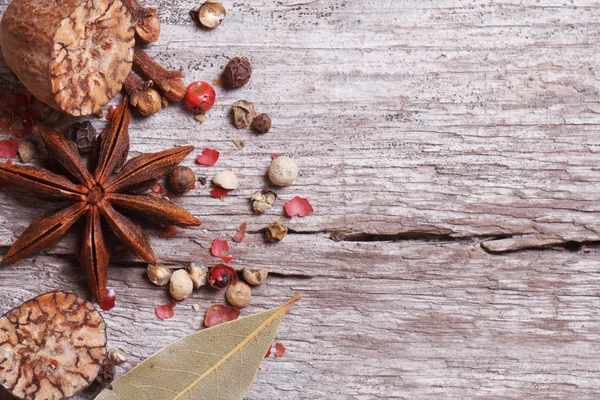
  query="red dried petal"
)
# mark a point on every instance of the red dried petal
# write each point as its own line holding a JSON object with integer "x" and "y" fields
{"x": 274, "y": 156}
{"x": 241, "y": 233}
{"x": 298, "y": 206}
{"x": 217, "y": 247}
{"x": 157, "y": 188}
{"x": 217, "y": 314}
{"x": 9, "y": 147}
{"x": 269, "y": 351}
{"x": 168, "y": 231}
{"x": 111, "y": 112}
{"x": 219, "y": 192}
{"x": 108, "y": 302}
{"x": 209, "y": 157}
{"x": 227, "y": 258}
{"x": 166, "y": 311}
{"x": 279, "y": 350}
{"x": 6, "y": 117}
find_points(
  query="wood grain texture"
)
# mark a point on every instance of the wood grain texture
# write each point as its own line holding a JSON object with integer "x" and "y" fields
{"x": 452, "y": 146}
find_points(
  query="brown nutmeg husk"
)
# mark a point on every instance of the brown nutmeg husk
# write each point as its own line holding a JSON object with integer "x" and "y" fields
{"x": 73, "y": 55}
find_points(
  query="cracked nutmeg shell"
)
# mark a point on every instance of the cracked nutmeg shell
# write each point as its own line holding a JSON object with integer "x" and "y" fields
{"x": 73, "y": 55}
{"x": 51, "y": 347}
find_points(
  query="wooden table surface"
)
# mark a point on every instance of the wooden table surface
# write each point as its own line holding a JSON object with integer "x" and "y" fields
{"x": 450, "y": 150}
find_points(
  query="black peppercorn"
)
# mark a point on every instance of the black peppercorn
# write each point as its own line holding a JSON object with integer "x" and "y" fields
{"x": 237, "y": 72}
{"x": 262, "y": 123}
{"x": 83, "y": 134}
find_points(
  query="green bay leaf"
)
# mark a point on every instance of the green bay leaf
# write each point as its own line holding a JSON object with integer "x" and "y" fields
{"x": 218, "y": 363}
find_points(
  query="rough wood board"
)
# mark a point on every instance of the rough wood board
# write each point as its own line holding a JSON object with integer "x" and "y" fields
{"x": 469, "y": 121}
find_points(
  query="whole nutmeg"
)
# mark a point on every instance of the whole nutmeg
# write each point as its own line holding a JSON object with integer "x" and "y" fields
{"x": 181, "y": 285}
{"x": 181, "y": 179}
{"x": 283, "y": 171}
{"x": 239, "y": 295}
{"x": 226, "y": 180}
{"x": 243, "y": 113}
{"x": 158, "y": 274}
{"x": 255, "y": 276}
{"x": 262, "y": 123}
{"x": 237, "y": 72}
{"x": 83, "y": 134}
{"x": 211, "y": 13}
{"x": 197, "y": 272}
{"x": 275, "y": 232}
{"x": 117, "y": 356}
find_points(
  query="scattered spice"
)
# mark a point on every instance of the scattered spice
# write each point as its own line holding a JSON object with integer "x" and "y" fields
{"x": 200, "y": 96}
{"x": 239, "y": 295}
{"x": 255, "y": 276}
{"x": 240, "y": 234}
{"x": 275, "y": 232}
{"x": 220, "y": 276}
{"x": 297, "y": 206}
{"x": 181, "y": 285}
{"x": 106, "y": 375}
{"x": 200, "y": 118}
{"x": 237, "y": 72}
{"x": 166, "y": 311}
{"x": 269, "y": 351}
{"x": 145, "y": 21}
{"x": 168, "y": 83}
{"x": 263, "y": 200}
{"x": 219, "y": 193}
{"x": 226, "y": 180}
{"x": 283, "y": 171}
{"x": 108, "y": 301}
{"x": 9, "y": 148}
{"x": 209, "y": 157}
{"x": 209, "y": 15}
{"x": 168, "y": 231}
{"x": 142, "y": 96}
{"x": 117, "y": 356}
{"x": 274, "y": 156}
{"x": 196, "y": 307}
{"x": 227, "y": 258}
{"x": 218, "y": 246}
{"x": 44, "y": 344}
{"x": 83, "y": 134}
{"x": 158, "y": 274}
{"x": 202, "y": 180}
{"x": 279, "y": 350}
{"x": 97, "y": 194}
{"x": 262, "y": 123}
{"x": 197, "y": 272}
{"x": 181, "y": 179}
{"x": 26, "y": 151}
{"x": 243, "y": 113}
{"x": 239, "y": 143}
{"x": 217, "y": 314}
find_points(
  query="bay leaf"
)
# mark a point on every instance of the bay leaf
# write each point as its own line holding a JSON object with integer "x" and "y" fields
{"x": 218, "y": 363}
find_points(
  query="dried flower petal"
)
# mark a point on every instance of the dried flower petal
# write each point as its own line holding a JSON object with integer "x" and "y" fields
{"x": 279, "y": 350}
{"x": 241, "y": 233}
{"x": 227, "y": 257}
{"x": 209, "y": 157}
{"x": 168, "y": 231}
{"x": 108, "y": 302}
{"x": 269, "y": 351}
{"x": 219, "y": 192}
{"x": 274, "y": 156}
{"x": 9, "y": 148}
{"x": 218, "y": 313}
{"x": 166, "y": 311}
{"x": 298, "y": 206}
{"x": 218, "y": 246}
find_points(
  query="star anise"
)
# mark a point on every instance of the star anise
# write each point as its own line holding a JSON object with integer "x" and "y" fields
{"x": 95, "y": 194}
